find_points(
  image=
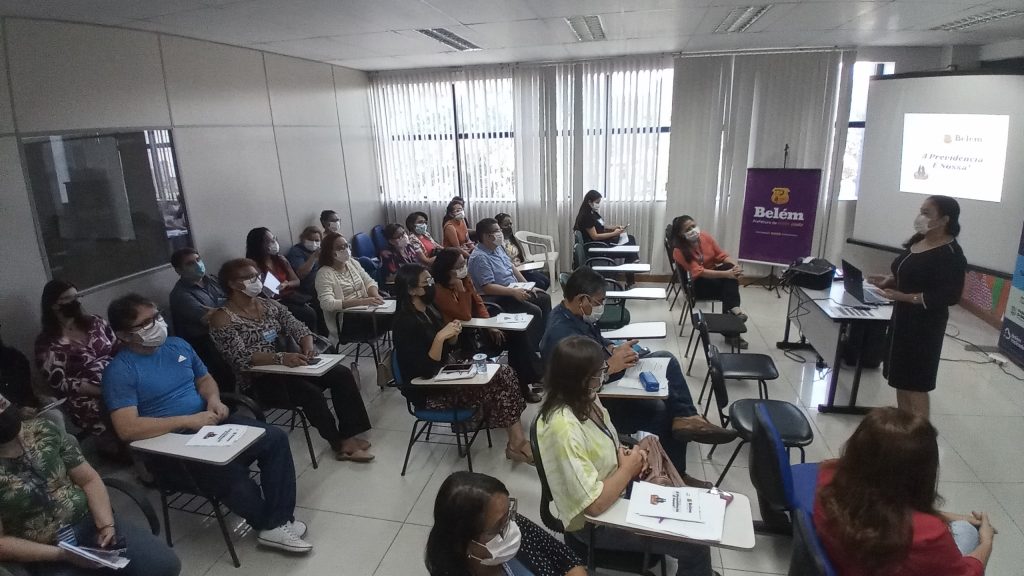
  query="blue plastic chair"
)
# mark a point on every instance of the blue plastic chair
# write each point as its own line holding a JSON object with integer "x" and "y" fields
{"x": 377, "y": 234}
{"x": 809, "y": 557}
{"x": 782, "y": 488}
{"x": 458, "y": 418}
{"x": 362, "y": 247}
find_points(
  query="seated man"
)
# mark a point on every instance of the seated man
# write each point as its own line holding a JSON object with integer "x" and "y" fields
{"x": 330, "y": 221}
{"x": 157, "y": 385}
{"x": 193, "y": 297}
{"x": 578, "y": 313}
{"x": 492, "y": 273}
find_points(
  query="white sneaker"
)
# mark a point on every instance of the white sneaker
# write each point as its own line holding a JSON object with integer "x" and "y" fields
{"x": 297, "y": 526}
{"x": 284, "y": 538}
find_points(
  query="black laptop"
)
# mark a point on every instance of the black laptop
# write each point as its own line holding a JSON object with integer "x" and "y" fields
{"x": 853, "y": 282}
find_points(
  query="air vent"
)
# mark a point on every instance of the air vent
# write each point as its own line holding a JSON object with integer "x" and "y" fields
{"x": 977, "y": 19}
{"x": 739, "y": 19}
{"x": 586, "y": 28}
{"x": 449, "y": 38}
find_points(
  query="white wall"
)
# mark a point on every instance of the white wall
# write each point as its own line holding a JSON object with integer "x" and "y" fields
{"x": 261, "y": 139}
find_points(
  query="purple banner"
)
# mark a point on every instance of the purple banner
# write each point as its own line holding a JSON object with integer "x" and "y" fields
{"x": 778, "y": 214}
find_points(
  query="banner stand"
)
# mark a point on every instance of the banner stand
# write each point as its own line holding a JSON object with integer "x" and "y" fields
{"x": 772, "y": 281}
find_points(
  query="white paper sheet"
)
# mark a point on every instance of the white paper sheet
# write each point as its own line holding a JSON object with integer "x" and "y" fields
{"x": 649, "y": 499}
{"x": 631, "y": 379}
{"x": 224, "y": 435}
{"x": 709, "y": 528}
{"x": 523, "y": 285}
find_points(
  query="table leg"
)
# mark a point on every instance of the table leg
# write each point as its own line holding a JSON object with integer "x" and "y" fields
{"x": 851, "y": 408}
{"x": 785, "y": 344}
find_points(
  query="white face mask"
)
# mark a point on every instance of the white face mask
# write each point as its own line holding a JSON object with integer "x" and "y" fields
{"x": 334, "y": 226}
{"x": 595, "y": 313}
{"x": 155, "y": 335}
{"x": 693, "y": 234}
{"x": 273, "y": 248}
{"x": 460, "y": 215}
{"x": 922, "y": 224}
{"x": 420, "y": 228}
{"x": 403, "y": 241}
{"x": 342, "y": 256}
{"x": 502, "y": 548}
{"x": 252, "y": 287}
{"x": 461, "y": 273}
{"x": 499, "y": 238}
{"x": 311, "y": 245}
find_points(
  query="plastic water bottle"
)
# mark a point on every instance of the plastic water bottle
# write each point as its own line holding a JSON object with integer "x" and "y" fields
{"x": 480, "y": 362}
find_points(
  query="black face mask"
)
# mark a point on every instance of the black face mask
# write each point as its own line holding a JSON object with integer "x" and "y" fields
{"x": 10, "y": 424}
{"x": 507, "y": 231}
{"x": 72, "y": 309}
{"x": 428, "y": 294}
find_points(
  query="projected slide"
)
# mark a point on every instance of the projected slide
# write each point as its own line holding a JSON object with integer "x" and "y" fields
{"x": 959, "y": 155}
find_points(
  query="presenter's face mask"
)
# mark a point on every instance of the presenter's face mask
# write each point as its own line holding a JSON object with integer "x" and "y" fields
{"x": 922, "y": 224}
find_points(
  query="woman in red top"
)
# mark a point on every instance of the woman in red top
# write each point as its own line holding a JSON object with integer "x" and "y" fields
{"x": 456, "y": 231}
{"x": 457, "y": 299}
{"x": 262, "y": 247}
{"x": 875, "y": 506}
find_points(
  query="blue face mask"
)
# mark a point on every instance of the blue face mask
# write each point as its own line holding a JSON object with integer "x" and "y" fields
{"x": 195, "y": 271}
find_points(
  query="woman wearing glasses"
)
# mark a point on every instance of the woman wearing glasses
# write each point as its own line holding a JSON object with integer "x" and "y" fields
{"x": 424, "y": 344}
{"x": 478, "y": 532}
{"x": 342, "y": 283}
{"x": 586, "y": 468}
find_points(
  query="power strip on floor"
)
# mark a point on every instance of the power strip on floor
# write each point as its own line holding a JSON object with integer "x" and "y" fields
{"x": 999, "y": 359}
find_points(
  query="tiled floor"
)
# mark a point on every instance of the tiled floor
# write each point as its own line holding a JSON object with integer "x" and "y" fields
{"x": 368, "y": 520}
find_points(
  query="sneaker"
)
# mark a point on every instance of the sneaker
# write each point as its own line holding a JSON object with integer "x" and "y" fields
{"x": 297, "y": 526}
{"x": 698, "y": 429}
{"x": 284, "y": 538}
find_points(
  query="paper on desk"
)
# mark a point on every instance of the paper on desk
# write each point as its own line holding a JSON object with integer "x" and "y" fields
{"x": 712, "y": 511}
{"x": 623, "y": 239}
{"x": 505, "y": 317}
{"x": 105, "y": 558}
{"x": 523, "y": 285}
{"x": 224, "y": 435}
{"x": 656, "y": 366}
{"x": 649, "y": 499}
{"x": 271, "y": 283}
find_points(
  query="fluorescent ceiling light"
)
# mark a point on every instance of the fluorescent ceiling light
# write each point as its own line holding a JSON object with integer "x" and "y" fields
{"x": 586, "y": 28}
{"x": 739, "y": 19}
{"x": 449, "y": 38}
{"x": 983, "y": 18}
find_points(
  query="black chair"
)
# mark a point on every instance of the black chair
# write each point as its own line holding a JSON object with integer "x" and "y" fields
{"x": 615, "y": 313}
{"x": 372, "y": 334}
{"x": 758, "y": 367}
{"x": 673, "y": 280}
{"x": 690, "y": 299}
{"x": 582, "y": 257}
{"x": 138, "y": 496}
{"x": 808, "y": 557}
{"x": 782, "y": 488}
{"x": 794, "y": 428}
{"x": 618, "y": 560}
{"x": 729, "y": 326}
{"x": 459, "y": 418}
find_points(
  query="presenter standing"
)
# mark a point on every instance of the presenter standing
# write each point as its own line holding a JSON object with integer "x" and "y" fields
{"x": 927, "y": 278}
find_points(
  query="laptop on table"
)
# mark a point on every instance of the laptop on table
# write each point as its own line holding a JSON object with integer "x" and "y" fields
{"x": 853, "y": 283}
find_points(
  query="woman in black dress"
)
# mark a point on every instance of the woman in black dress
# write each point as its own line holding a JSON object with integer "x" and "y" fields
{"x": 927, "y": 278}
{"x": 591, "y": 225}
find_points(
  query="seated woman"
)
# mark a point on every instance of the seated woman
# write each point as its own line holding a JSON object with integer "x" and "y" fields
{"x": 478, "y": 532}
{"x": 457, "y": 299}
{"x": 71, "y": 352}
{"x": 424, "y": 344}
{"x": 262, "y": 247}
{"x": 516, "y": 253}
{"x": 342, "y": 283}
{"x": 875, "y": 506}
{"x": 398, "y": 253}
{"x": 715, "y": 274}
{"x": 591, "y": 225}
{"x": 417, "y": 224}
{"x": 49, "y": 493}
{"x": 456, "y": 231}
{"x": 587, "y": 469}
{"x": 246, "y": 331}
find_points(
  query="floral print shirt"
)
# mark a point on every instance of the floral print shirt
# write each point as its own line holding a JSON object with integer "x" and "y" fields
{"x": 37, "y": 496}
{"x": 68, "y": 364}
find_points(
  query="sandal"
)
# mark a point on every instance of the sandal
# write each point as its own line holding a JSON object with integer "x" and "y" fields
{"x": 361, "y": 456}
{"x": 363, "y": 444}
{"x": 520, "y": 454}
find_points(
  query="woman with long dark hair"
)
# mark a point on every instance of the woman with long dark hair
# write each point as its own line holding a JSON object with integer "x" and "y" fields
{"x": 926, "y": 279}
{"x": 876, "y": 505}
{"x": 586, "y": 467}
{"x": 424, "y": 344}
{"x": 591, "y": 225}
{"x": 262, "y": 247}
{"x": 478, "y": 532}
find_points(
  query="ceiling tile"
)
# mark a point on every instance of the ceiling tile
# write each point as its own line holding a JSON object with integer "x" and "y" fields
{"x": 902, "y": 15}
{"x": 564, "y": 8}
{"x": 401, "y": 43}
{"x": 480, "y": 11}
{"x": 323, "y": 49}
{"x": 809, "y": 16}
{"x": 385, "y": 63}
{"x": 520, "y": 33}
{"x": 652, "y": 23}
{"x": 755, "y": 40}
{"x": 243, "y": 23}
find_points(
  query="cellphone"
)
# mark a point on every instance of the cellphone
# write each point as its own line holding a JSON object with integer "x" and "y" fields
{"x": 456, "y": 368}
{"x": 313, "y": 361}
{"x": 640, "y": 350}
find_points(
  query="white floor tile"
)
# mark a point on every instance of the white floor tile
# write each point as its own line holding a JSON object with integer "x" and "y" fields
{"x": 402, "y": 558}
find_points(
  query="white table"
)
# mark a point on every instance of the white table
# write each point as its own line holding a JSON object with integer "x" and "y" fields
{"x": 624, "y": 268}
{"x": 327, "y": 361}
{"x": 615, "y": 250}
{"x": 638, "y": 294}
{"x": 637, "y": 331}
{"x": 825, "y": 319}
{"x": 477, "y": 380}
{"x": 737, "y": 531}
{"x": 497, "y": 322}
{"x": 388, "y": 307}
{"x": 527, "y": 266}
{"x": 175, "y": 446}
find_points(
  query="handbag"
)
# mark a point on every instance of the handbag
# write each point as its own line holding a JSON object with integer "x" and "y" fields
{"x": 661, "y": 470}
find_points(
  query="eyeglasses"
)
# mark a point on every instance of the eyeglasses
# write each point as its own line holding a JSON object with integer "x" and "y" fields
{"x": 601, "y": 376}
{"x": 430, "y": 282}
{"x": 513, "y": 505}
{"x": 147, "y": 324}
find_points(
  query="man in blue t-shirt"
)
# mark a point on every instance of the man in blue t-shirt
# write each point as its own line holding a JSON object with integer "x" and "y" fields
{"x": 156, "y": 385}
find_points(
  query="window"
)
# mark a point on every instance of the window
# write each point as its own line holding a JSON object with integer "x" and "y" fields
{"x": 862, "y": 73}
{"x": 107, "y": 205}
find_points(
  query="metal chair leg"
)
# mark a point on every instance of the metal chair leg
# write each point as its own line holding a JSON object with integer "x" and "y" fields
{"x": 703, "y": 389}
{"x": 167, "y": 518}
{"x": 309, "y": 441}
{"x": 731, "y": 460}
{"x": 408, "y": 449}
{"x": 803, "y": 455}
{"x": 224, "y": 531}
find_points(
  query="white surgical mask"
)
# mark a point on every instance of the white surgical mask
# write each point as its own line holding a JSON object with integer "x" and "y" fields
{"x": 273, "y": 248}
{"x": 311, "y": 245}
{"x": 460, "y": 215}
{"x": 334, "y": 226}
{"x": 155, "y": 335}
{"x": 252, "y": 287}
{"x": 499, "y": 238}
{"x": 693, "y": 233}
{"x": 503, "y": 548}
{"x": 461, "y": 273}
{"x": 595, "y": 313}
{"x": 342, "y": 256}
{"x": 403, "y": 241}
{"x": 922, "y": 224}
{"x": 420, "y": 228}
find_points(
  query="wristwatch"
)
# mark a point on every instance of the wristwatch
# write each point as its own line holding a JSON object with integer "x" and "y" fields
{"x": 279, "y": 358}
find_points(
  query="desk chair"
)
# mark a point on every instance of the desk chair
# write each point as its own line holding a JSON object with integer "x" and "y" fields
{"x": 673, "y": 281}
{"x": 782, "y": 488}
{"x": 139, "y": 498}
{"x": 758, "y": 367}
{"x": 728, "y": 325}
{"x": 618, "y": 560}
{"x": 794, "y": 428}
{"x": 530, "y": 241}
{"x": 458, "y": 418}
{"x": 379, "y": 241}
{"x": 581, "y": 255}
{"x": 615, "y": 313}
{"x": 363, "y": 247}
{"x": 362, "y": 335}
{"x": 809, "y": 557}
{"x": 690, "y": 299}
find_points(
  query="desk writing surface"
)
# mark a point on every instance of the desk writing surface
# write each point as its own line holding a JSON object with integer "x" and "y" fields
{"x": 327, "y": 361}
{"x": 637, "y": 330}
{"x": 615, "y": 250}
{"x": 638, "y": 294}
{"x": 174, "y": 445}
{"x": 623, "y": 268}
{"x": 629, "y": 385}
{"x": 737, "y": 533}
{"x": 527, "y": 266}
{"x": 497, "y": 322}
{"x": 388, "y": 307}
{"x": 477, "y": 380}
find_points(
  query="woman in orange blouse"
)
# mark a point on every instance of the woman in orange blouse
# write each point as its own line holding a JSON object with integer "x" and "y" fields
{"x": 456, "y": 232}
{"x": 457, "y": 299}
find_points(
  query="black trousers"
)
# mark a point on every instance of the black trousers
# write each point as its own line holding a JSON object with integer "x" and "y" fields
{"x": 538, "y": 305}
{"x": 725, "y": 289}
{"x": 281, "y": 391}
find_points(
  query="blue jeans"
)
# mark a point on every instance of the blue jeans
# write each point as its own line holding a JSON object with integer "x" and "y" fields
{"x": 264, "y": 506}
{"x": 679, "y": 401}
{"x": 148, "y": 554}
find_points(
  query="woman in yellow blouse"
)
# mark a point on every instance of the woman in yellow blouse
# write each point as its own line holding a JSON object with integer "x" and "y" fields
{"x": 586, "y": 468}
